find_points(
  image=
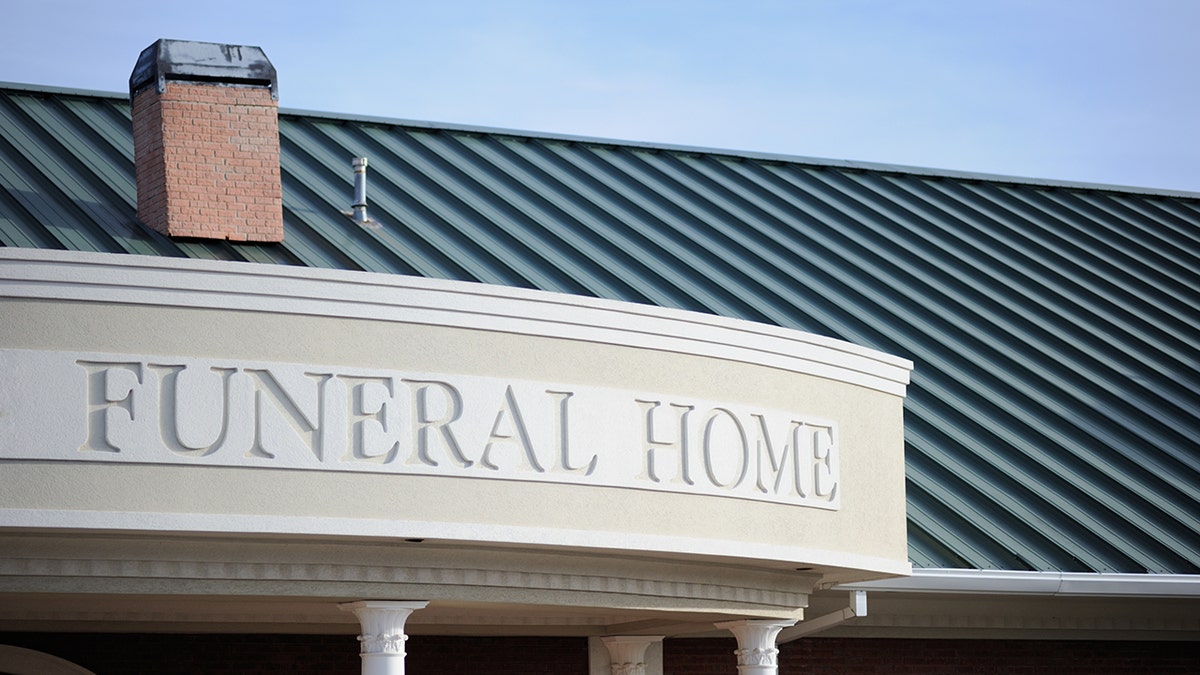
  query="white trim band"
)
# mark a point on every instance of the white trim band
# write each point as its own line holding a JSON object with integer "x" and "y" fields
{"x": 144, "y": 280}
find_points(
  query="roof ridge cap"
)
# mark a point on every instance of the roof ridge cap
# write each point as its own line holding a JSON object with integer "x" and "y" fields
{"x": 821, "y": 162}
{"x": 852, "y": 165}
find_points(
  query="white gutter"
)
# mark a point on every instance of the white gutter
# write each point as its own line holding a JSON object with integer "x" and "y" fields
{"x": 1076, "y": 584}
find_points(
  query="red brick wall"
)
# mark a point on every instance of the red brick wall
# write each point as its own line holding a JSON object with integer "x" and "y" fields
{"x": 699, "y": 657}
{"x": 169, "y": 654}
{"x": 834, "y": 656}
{"x": 207, "y": 161}
{"x": 428, "y": 655}
{"x": 121, "y": 654}
{"x": 142, "y": 654}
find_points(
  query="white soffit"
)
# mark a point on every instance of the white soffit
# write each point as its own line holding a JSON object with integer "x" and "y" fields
{"x": 1077, "y": 584}
{"x": 174, "y": 282}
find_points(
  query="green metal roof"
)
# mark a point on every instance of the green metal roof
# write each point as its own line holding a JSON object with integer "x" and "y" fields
{"x": 1053, "y": 422}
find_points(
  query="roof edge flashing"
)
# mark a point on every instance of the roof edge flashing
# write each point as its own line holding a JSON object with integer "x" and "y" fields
{"x": 1010, "y": 582}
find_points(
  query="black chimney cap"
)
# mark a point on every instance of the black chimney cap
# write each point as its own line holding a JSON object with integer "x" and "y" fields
{"x": 201, "y": 62}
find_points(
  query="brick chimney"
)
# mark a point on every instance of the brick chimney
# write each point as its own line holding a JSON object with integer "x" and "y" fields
{"x": 206, "y": 141}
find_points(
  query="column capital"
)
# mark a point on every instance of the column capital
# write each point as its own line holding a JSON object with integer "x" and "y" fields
{"x": 381, "y": 643}
{"x": 627, "y": 653}
{"x": 756, "y": 652}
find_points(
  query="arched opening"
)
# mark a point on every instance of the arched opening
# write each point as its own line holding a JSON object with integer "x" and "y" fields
{"x": 21, "y": 661}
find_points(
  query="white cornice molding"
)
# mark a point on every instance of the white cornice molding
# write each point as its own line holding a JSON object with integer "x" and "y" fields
{"x": 346, "y": 574}
{"x": 174, "y": 282}
{"x": 305, "y": 570}
{"x": 277, "y": 613}
{"x": 1010, "y": 582}
{"x": 619, "y": 542}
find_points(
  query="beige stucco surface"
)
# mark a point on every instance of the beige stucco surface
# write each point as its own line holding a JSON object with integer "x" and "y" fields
{"x": 869, "y": 526}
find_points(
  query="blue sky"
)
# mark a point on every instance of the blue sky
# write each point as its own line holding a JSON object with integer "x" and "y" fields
{"x": 1081, "y": 90}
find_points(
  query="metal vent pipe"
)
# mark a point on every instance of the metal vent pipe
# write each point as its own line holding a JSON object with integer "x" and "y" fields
{"x": 360, "y": 191}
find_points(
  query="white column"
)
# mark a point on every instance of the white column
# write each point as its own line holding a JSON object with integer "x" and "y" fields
{"x": 756, "y": 652}
{"x": 382, "y": 639}
{"x": 627, "y": 654}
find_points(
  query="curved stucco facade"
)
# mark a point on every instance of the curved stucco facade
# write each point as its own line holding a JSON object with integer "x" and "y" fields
{"x": 161, "y": 400}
